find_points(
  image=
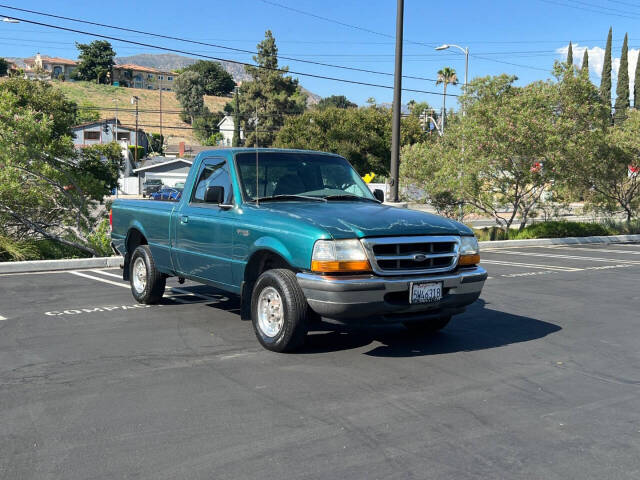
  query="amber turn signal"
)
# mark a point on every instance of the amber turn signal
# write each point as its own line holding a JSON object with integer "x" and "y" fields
{"x": 339, "y": 267}
{"x": 469, "y": 259}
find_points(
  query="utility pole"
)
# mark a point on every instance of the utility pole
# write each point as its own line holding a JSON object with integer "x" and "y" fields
{"x": 161, "y": 137}
{"x": 115, "y": 100}
{"x": 397, "y": 106}
{"x": 135, "y": 99}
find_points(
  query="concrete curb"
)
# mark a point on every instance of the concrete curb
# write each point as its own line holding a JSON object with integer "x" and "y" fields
{"x": 102, "y": 262}
{"x": 66, "y": 264}
{"x": 561, "y": 241}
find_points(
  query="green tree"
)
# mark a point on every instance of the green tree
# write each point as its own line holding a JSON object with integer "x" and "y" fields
{"x": 585, "y": 63}
{"x": 361, "y": 135}
{"x": 605, "y": 82}
{"x": 446, "y": 76}
{"x": 4, "y": 67}
{"x": 206, "y": 124}
{"x": 610, "y": 174}
{"x": 190, "y": 93}
{"x": 96, "y": 61}
{"x": 570, "y": 54}
{"x": 47, "y": 188}
{"x": 338, "y": 101}
{"x": 215, "y": 79}
{"x": 622, "y": 89}
{"x": 269, "y": 97}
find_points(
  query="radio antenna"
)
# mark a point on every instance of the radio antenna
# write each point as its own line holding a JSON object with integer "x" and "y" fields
{"x": 257, "y": 177}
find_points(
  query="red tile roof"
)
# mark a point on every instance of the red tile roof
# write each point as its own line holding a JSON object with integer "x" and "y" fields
{"x": 52, "y": 60}
{"x": 139, "y": 68}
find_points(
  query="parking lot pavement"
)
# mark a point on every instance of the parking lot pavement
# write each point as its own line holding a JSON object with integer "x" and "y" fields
{"x": 538, "y": 379}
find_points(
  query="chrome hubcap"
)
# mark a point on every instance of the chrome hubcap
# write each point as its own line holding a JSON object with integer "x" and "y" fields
{"x": 139, "y": 276}
{"x": 270, "y": 312}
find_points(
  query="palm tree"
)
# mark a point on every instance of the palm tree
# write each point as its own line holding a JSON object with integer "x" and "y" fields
{"x": 446, "y": 76}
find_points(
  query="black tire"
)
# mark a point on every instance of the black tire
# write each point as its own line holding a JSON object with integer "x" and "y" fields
{"x": 426, "y": 327}
{"x": 291, "y": 334}
{"x": 154, "y": 281}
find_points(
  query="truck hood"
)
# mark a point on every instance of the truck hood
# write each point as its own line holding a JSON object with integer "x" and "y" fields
{"x": 360, "y": 219}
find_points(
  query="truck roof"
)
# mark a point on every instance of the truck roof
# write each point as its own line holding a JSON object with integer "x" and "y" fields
{"x": 235, "y": 150}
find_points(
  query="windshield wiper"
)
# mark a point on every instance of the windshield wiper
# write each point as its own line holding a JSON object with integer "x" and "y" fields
{"x": 350, "y": 197}
{"x": 276, "y": 198}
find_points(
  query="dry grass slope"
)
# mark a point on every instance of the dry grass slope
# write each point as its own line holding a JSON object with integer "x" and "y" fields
{"x": 103, "y": 96}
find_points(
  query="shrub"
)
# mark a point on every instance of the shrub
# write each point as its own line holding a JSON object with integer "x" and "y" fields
{"x": 132, "y": 149}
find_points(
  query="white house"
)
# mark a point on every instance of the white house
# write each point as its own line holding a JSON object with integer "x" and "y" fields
{"x": 226, "y": 126}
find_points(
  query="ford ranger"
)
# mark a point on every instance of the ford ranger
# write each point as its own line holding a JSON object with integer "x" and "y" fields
{"x": 298, "y": 236}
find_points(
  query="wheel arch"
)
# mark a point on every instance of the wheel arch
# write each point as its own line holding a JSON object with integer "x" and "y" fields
{"x": 134, "y": 237}
{"x": 261, "y": 260}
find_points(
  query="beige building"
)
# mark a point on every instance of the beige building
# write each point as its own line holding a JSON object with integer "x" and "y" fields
{"x": 53, "y": 67}
{"x": 137, "y": 76}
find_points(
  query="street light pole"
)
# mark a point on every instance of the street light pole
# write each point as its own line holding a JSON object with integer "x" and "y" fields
{"x": 397, "y": 106}
{"x": 464, "y": 50}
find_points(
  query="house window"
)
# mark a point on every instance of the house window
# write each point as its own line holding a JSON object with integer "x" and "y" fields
{"x": 160, "y": 77}
{"x": 124, "y": 136}
{"x": 170, "y": 78}
{"x": 149, "y": 77}
{"x": 91, "y": 135}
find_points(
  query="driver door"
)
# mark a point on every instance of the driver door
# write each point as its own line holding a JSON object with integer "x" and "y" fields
{"x": 204, "y": 237}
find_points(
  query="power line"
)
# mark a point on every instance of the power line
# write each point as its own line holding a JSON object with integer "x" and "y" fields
{"x": 240, "y": 50}
{"x": 586, "y": 9}
{"x": 185, "y": 52}
{"x": 344, "y": 24}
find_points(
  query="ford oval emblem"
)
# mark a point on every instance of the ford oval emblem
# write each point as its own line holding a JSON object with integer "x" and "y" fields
{"x": 419, "y": 257}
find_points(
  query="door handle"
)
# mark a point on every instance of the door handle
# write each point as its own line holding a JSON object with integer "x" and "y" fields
{"x": 184, "y": 219}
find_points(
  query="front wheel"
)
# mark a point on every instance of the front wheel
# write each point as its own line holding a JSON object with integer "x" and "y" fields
{"x": 426, "y": 327}
{"x": 279, "y": 311}
{"x": 147, "y": 283}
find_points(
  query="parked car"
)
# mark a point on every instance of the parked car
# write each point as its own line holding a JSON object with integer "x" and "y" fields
{"x": 298, "y": 235}
{"x": 167, "y": 193}
{"x": 150, "y": 186}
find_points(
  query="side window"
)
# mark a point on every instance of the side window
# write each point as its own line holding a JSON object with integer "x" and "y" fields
{"x": 214, "y": 174}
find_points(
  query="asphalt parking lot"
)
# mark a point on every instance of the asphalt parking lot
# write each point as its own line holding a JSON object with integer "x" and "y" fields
{"x": 539, "y": 379}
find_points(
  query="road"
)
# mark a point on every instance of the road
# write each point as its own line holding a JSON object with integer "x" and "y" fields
{"x": 538, "y": 379}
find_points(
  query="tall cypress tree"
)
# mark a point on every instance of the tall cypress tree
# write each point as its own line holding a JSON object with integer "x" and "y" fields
{"x": 570, "y": 54}
{"x": 585, "y": 62}
{"x": 622, "y": 89}
{"x": 636, "y": 87}
{"x": 605, "y": 82}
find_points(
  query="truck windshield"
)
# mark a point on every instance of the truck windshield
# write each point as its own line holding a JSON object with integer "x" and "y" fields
{"x": 294, "y": 176}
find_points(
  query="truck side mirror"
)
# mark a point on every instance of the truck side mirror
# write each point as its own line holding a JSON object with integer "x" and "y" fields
{"x": 379, "y": 194}
{"x": 214, "y": 194}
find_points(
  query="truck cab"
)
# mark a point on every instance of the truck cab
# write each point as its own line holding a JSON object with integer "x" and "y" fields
{"x": 299, "y": 236}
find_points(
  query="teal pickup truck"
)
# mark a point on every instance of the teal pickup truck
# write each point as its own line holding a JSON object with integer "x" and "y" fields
{"x": 298, "y": 235}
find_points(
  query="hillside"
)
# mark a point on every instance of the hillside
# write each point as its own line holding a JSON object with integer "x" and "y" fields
{"x": 172, "y": 61}
{"x": 103, "y": 96}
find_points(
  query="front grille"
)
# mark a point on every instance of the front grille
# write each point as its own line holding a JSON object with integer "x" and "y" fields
{"x": 412, "y": 255}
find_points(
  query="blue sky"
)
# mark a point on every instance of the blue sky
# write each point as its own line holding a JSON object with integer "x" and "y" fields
{"x": 531, "y": 34}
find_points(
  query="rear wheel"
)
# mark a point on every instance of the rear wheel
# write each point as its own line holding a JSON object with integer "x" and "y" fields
{"x": 426, "y": 327}
{"x": 279, "y": 311}
{"x": 147, "y": 283}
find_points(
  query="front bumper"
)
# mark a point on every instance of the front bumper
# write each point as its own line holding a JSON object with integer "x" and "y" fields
{"x": 387, "y": 298}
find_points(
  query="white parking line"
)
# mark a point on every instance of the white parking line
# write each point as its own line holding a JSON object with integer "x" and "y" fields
{"x": 97, "y": 279}
{"x": 118, "y": 284}
{"x": 605, "y": 250}
{"x": 2, "y": 318}
{"x": 532, "y": 265}
{"x": 572, "y": 257}
{"x": 176, "y": 289}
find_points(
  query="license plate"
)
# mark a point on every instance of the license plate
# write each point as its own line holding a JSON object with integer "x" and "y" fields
{"x": 426, "y": 292}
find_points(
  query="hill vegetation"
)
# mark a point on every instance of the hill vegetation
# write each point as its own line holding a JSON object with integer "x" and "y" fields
{"x": 106, "y": 97}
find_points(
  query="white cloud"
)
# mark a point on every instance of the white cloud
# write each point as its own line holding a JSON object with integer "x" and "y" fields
{"x": 596, "y": 61}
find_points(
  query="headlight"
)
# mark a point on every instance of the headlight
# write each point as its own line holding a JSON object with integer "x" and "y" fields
{"x": 332, "y": 256}
{"x": 469, "y": 251}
